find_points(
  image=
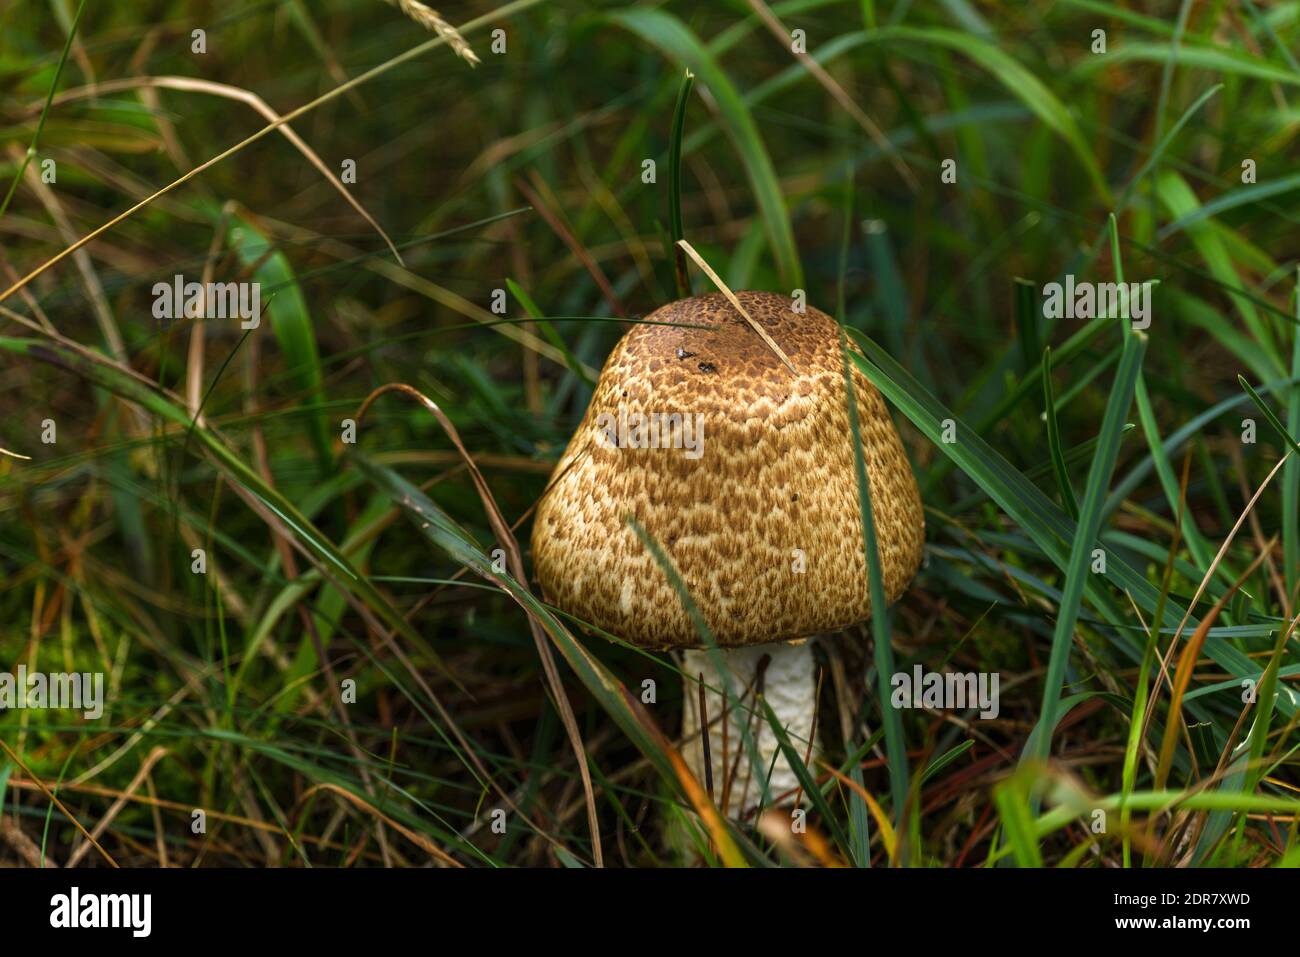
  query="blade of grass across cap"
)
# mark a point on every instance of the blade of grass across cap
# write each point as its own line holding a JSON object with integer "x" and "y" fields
{"x": 673, "y": 37}
{"x": 731, "y": 297}
{"x": 728, "y": 690}
{"x": 859, "y": 806}
{"x": 1054, "y": 441}
{"x": 1077, "y": 571}
{"x": 675, "y": 226}
{"x": 548, "y": 330}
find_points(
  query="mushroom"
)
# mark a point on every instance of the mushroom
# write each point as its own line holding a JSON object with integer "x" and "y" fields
{"x": 761, "y": 519}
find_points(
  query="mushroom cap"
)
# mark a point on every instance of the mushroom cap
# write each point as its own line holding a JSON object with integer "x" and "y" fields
{"x": 764, "y": 525}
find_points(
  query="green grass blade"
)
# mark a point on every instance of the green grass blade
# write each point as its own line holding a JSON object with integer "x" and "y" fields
{"x": 1243, "y": 196}
{"x": 45, "y": 111}
{"x": 153, "y": 399}
{"x": 1196, "y": 543}
{"x": 1209, "y": 59}
{"x": 1026, "y": 301}
{"x": 728, "y": 690}
{"x": 607, "y": 690}
{"x": 1270, "y": 415}
{"x": 1085, "y": 539}
{"x": 895, "y": 744}
{"x": 1054, "y": 441}
{"x": 1025, "y": 503}
{"x": 806, "y": 778}
{"x": 1015, "y": 77}
{"x": 548, "y": 330}
{"x": 673, "y": 37}
{"x": 1291, "y": 471}
{"x": 676, "y": 230}
{"x": 1178, "y": 198}
{"x": 292, "y": 324}
{"x": 1012, "y": 800}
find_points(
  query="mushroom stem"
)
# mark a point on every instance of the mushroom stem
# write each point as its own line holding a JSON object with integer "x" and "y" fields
{"x": 787, "y": 683}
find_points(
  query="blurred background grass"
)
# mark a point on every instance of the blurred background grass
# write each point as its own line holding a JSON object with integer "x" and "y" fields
{"x": 520, "y": 183}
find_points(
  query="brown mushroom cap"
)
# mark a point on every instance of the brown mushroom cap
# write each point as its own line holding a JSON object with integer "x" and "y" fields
{"x": 776, "y": 474}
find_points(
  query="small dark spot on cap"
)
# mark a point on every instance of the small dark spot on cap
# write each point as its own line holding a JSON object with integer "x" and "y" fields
{"x": 708, "y": 367}
{"x": 794, "y": 497}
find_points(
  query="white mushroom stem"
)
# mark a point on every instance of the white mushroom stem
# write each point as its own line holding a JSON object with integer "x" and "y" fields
{"x": 788, "y": 685}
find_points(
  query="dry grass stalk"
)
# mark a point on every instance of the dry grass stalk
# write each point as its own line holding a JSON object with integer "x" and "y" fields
{"x": 431, "y": 19}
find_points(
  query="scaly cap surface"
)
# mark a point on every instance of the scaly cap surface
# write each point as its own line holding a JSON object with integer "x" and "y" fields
{"x": 773, "y": 488}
